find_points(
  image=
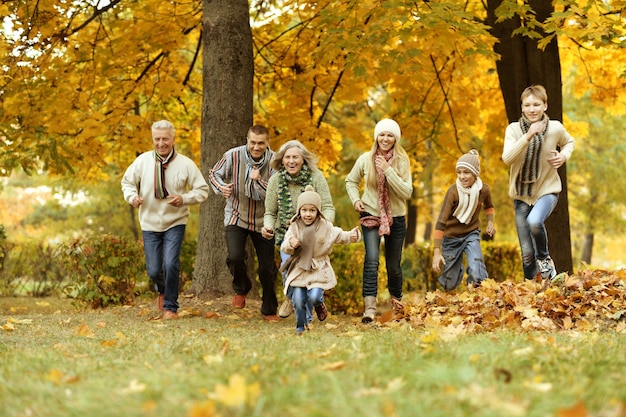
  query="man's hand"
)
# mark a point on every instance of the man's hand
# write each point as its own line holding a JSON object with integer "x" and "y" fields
{"x": 227, "y": 191}
{"x": 137, "y": 201}
{"x": 267, "y": 232}
{"x": 176, "y": 200}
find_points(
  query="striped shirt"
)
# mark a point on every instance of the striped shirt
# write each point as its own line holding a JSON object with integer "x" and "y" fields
{"x": 240, "y": 210}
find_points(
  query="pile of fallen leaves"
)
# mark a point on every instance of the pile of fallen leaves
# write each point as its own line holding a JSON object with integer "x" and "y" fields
{"x": 590, "y": 300}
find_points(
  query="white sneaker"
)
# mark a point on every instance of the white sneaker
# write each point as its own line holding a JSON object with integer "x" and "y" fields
{"x": 546, "y": 268}
{"x": 286, "y": 308}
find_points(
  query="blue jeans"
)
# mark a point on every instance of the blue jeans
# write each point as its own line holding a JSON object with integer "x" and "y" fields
{"x": 162, "y": 250}
{"x": 393, "y": 256}
{"x": 236, "y": 238}
{"x": 302, "y": 298}
{"x": 531, "y": 231}
{"x": 309, "y": 308}
{"x": 452, "y": 250}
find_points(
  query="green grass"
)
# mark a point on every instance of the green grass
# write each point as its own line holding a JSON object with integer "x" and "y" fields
{"x": 123, "y": 363}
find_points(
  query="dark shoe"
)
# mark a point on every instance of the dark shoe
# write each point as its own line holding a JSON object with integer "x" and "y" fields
{"x": 321, "y": 311}
{"x": 160, "y": 300}
{"x": 271, "y": 317}
{"x": 239, "y": 301}
{"x": 170, "y": 315}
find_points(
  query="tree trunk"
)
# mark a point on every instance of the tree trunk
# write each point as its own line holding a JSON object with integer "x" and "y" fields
{"x": 522, "y": 64}
{"x": 228, "y": 67}
{"x": 587, "y": 248}
{"x": 411, "y": 223}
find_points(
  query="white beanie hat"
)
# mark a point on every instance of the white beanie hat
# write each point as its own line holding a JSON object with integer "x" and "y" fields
{"x": 387, "y": 125}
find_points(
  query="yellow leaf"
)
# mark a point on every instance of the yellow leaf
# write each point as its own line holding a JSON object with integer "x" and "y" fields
{"x": 55, "y": 376}
{"x": 84, "y": 331}
{"x": 16, "y": 321}
{"x": 204, "y": 409}
{"x": 333, "y": 366}
{"x": 8, "y": 326}
{"x": 237, "y": 393}
{"x": 109, "y": 343}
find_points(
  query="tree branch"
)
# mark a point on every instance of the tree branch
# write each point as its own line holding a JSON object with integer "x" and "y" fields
{"x": 330, "y": 98}
{"x": 447, "y": 102}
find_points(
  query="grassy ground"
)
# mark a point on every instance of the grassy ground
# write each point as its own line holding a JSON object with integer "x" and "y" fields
{"x": 57, "y": 361}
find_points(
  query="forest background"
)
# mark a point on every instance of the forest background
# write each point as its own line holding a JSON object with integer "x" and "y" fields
{"x": 82, "y": 81}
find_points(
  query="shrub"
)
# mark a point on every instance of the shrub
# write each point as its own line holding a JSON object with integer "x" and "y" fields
{"x": 503, "y": 261}
{"x": 31, "y": 269}
{"x": 103, "y": 269}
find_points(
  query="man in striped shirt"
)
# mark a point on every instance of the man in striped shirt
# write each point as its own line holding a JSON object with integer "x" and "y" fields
{"x": 241, "y": 176}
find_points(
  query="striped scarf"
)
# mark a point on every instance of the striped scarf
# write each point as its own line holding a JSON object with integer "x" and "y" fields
{"x": 386, "y": 218}
{"x": 249, "y": 190}
{"x": 160, "y": 165}
{"x": 286, "y": 207}
{"x": 530, "y": 171}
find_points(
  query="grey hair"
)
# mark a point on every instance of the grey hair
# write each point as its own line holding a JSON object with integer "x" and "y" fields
{"x": 309, "y": 158}
{"x": 164, "y": 125}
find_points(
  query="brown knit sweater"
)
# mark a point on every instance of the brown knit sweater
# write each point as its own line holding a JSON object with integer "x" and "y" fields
{"x": 449, "y": 226}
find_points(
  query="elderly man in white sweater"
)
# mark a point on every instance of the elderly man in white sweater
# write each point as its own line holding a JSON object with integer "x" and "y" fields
{"x": 163, "y": 184}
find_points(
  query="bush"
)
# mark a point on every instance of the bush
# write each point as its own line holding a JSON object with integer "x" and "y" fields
{"x": 31, "y": 269}
{"x": 103, "y": 269}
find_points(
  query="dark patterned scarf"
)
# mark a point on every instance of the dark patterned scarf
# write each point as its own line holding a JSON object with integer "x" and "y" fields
{"x": 386, "y": 218}
{"x": 530, "y": 171}
{"x": 286, "y": 206}
{"x": 160, "y": 164}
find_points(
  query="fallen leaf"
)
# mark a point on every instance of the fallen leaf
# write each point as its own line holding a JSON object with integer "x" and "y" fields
{"x": 577, "y": 410}
{"x": 333, "y": 366}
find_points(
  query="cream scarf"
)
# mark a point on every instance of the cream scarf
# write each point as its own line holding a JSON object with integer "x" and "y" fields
{"x": 468, "y": 200}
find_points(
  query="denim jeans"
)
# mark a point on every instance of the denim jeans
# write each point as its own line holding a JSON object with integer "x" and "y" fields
{"x": 531, "y": 231}
{"x": 309, "y": 308}
{"x": 393, "y": 256}
{"x": 452, "y": 250}
{"x": 162, "y": 250}
{"x": 236, "y": 244}
{"x": 302, "y": 298}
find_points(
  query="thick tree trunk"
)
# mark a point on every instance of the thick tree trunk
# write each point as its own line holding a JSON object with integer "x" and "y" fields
{"x": 522, "y": 64}
{"x": 228, "y": 67}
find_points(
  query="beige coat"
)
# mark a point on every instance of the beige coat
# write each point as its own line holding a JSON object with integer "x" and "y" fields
{"x": 321, "y": 274}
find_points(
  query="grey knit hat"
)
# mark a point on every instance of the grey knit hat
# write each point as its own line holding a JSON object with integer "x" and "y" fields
{"x": 470, "y": 161}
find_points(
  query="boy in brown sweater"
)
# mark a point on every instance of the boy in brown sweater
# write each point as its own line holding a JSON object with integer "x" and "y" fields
{"x": 457, "y": 230}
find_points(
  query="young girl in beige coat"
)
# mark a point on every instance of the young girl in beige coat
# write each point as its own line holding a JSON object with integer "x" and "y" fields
{"x": 309, "y": 240}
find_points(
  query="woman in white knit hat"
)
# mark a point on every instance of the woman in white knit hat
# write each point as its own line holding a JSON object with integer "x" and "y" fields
{"x": 457, "y": 229}
{"x": 388, "y": 185}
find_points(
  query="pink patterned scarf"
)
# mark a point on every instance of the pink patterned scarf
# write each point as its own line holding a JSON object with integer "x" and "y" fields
{"x": 386, "y": 219}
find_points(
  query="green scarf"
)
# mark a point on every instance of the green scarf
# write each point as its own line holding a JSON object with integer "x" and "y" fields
{"x": 286, "y": 205}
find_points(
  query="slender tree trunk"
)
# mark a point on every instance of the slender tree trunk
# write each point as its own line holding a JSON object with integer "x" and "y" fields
{"x": 587, "y": 248}
{"x": 228, "y": 67}
{"x": 523, "y": 64}
{"x": 411, "y": 223}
